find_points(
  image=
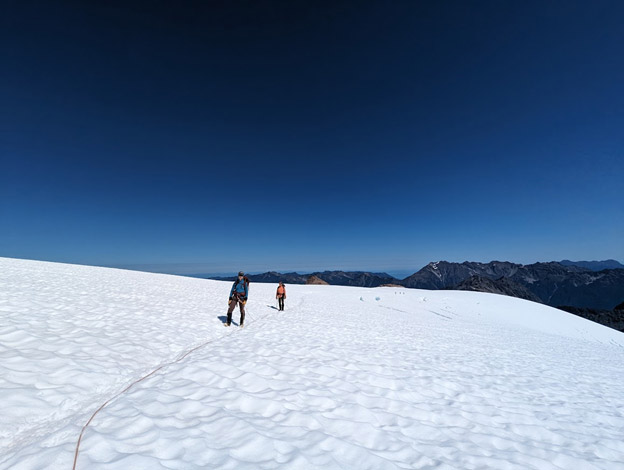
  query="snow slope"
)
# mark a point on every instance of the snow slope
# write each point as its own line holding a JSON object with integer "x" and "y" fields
{"x": 345, "y": 378}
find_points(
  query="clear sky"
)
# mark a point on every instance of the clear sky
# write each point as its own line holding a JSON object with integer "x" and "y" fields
{"x": 218, "y": 136}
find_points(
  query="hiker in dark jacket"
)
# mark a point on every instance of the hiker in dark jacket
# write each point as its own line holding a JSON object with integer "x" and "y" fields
{"x": 280, "y": 295}
{"x": 238, "y": 295}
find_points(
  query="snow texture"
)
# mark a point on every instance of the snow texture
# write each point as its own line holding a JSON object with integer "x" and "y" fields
{"x": 345, "y": 378}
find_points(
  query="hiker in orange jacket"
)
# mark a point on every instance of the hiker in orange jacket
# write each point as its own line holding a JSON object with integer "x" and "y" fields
{"x": 281, "y": 295}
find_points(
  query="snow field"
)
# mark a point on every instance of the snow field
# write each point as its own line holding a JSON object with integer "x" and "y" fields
{"x": 345, "y": 378}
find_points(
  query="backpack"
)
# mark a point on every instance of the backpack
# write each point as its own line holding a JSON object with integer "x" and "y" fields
{"x": 245, "y": 280}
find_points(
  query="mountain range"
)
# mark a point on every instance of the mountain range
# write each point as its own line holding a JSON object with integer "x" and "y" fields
{"x": 577, "y": 284}
{"x": 551, "y": 283}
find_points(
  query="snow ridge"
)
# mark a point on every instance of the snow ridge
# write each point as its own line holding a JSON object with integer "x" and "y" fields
{"x": 345, "y": 378}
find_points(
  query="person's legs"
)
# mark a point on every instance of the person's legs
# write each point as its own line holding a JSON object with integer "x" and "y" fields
{"x": 241, "y": 306}
{"x": 281, "y": 303}
{"x": 230, "y": 310}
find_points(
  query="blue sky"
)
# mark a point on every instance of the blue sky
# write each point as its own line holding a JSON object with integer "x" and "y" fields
{"x": 218, "y": 136}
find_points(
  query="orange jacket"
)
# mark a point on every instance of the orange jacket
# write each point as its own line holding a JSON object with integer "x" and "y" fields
{"x": 281, "y": 292}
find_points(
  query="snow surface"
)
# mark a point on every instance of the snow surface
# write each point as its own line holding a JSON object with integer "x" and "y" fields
{"x": 345, "y": 378}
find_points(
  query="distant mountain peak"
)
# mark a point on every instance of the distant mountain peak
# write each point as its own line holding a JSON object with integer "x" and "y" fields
{"x": 314, "y": 280}
{"x": 594, "y": 265}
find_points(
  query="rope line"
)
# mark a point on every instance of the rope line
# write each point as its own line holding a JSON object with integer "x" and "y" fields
{"x": 162, "y": 366}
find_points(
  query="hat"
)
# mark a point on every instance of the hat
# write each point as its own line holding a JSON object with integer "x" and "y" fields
{"x": 240, "y": 273}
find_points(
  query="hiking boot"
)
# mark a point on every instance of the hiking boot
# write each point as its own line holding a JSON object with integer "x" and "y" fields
{"x": 241, "y": 325}
{"x": 226, "y": 324}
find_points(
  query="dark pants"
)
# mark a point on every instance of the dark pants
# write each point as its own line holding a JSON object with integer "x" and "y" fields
{"x": 280, "y": 301}
{"x": 241, "y": 306}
